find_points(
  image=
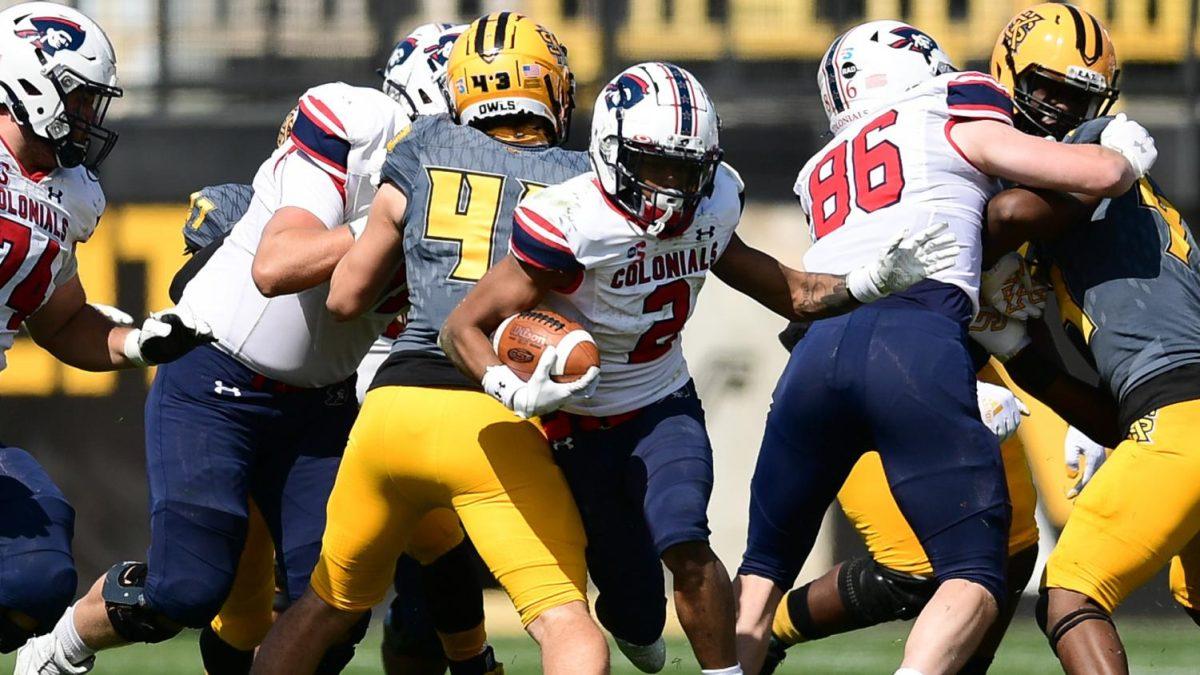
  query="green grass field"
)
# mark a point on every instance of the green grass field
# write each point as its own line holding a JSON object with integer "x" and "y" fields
{"x": 1155, "y": 646}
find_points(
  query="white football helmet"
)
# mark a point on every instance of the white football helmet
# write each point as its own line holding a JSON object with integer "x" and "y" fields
{"x": 59, "y": 75}
{"x": 872, "y": 64}
{"x": 655, "y": 145}
{"x": 415, "y": 74}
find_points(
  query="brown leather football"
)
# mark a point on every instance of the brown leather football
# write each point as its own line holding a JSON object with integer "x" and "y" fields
{"x": 520, "y": 340}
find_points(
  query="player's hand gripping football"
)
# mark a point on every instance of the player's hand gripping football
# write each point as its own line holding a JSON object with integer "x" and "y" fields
{"x": 165, "y": 336}
{"x": 1001, "y": 335}
{"x": 541, "y": 394}
{"x": 1079, "y": 445}
{"x": 999, "y": 409}
{"x": 904, "y": 262}
{"x": 1011, "y": 289}
{"x": 1131, "y": 139}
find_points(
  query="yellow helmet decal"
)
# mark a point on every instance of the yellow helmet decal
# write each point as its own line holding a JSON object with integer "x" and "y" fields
{"x": 505, "y": 64}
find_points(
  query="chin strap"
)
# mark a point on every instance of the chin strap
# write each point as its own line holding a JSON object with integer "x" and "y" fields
{"x": 656, "y": 228}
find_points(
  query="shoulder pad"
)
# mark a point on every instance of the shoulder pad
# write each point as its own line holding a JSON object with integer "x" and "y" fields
{"x": 213, "y": 212}
{"x": 1089, "y": 131}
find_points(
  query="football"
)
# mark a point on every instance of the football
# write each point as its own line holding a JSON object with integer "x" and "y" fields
{"x": 520, "y": 340}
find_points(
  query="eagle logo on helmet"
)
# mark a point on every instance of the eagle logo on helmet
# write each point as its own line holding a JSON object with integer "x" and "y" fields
{"x": 53, "y": 33}
{"x": 914, "y": 40}
{"x": 626, "y": 92}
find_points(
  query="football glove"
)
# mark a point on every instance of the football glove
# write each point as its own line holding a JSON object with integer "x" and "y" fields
{"x": 1002, "y": 336}
{"x": 113, "y": 314}
{"x": 1131, "y": 139}
{"x": 539, "y": 395}
{"x": 1010, "y": 288}
{"x": 165, "y": 336}
{"x": 1079, "y": 445}
{"x": 903, "y": 263}
{"x": 999, "y": 409}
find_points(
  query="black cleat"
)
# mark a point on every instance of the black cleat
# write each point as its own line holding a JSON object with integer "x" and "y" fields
{"x": 776, "y": 653}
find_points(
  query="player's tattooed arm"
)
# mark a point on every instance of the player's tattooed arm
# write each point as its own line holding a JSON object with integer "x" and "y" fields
{"x": 362, "y": 274}
{"x": 508, "y": 288}
{"x": 792, "y": 294}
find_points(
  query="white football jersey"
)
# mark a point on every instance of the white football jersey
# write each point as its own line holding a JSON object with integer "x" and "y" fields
{"x": 329, "y": 166}
{"x": 42, "y": 218}
{"x": 633, "y": 292}
{"x": 898, "y": 168}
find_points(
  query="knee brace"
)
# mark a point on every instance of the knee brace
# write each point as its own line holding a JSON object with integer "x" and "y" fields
{"x": 874, "y": 594}
{"x": 452, "y": 591}
{"x": 125, "y": 602}
{"x": 1055, "y": 633}
{"x": 221, "y": 657}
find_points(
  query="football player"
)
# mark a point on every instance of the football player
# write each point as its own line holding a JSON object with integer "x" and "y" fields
{"x": 427, "y": 438}
{"x": 58, "y": 79}
{"x": 1126, "y": 274}
{"x": 915, "y": 142}
{"x": 625, "y": 249}
{"x": 265, "y": 412}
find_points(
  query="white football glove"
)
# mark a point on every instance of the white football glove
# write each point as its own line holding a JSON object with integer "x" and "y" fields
{"x": 1131, "y": 139}
{"x": 113, "y": 314}
{"x": 1094, "y": 454}
{"x": 540, "y": 395}
{"x": 1000, "y": 409}
{"x": 1002, "y": 336}
{"x": 1009, "y": 287}
{"x": 903, "y": 263}
{"x": 166, "y": 336}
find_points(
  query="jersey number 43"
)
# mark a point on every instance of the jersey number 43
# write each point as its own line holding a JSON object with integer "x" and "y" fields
{"x": 864, "y": 170}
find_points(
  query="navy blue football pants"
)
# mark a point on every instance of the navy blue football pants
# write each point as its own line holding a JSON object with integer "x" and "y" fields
{"x": 37, "y": 572}
{"x": 894, "y": 376}
{"x": 642, "y": 486}
{"x": 216, "y": 434}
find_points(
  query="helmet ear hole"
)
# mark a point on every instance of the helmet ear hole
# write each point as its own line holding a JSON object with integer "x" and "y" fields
{"x": 29, "y": 88}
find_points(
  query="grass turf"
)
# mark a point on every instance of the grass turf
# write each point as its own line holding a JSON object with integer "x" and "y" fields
{"x": 1155, "y": 646}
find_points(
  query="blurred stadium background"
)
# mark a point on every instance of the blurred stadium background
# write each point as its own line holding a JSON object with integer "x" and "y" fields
{"x": 208, "y": 82}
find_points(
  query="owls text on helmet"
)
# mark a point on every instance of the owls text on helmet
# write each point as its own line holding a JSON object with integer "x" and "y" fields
{"x": 873, "y": 63}
{"x": 58, "y": 78}
{"x": 415, "y": 74}
{"x": 655, "y": 146}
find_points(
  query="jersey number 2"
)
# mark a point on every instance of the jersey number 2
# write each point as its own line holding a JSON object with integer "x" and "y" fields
{"x": 657, "y": 340}
{"x": 878, "y": 178}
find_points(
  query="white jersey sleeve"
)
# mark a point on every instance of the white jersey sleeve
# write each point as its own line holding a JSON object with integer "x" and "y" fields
{"x": 633, "y": 292}
{"x": 900, "y": 168}
{"x": 43, "y": 216}
{"x": 328, "y": 164}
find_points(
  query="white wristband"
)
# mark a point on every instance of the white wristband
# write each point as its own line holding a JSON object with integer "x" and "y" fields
{"x": 133, "y": 350}
{"x": 861, "y": 286}
{"x": 501, "y": 383}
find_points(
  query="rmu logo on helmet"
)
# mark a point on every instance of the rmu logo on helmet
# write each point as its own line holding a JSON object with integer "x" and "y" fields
{"x": 626, "y": 91}
{"x": 914, "y": 40}
{"x": 52, "y": 33}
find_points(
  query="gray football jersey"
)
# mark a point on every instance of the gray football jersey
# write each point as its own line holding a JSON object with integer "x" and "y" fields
{"x": 462, "y": 186}
{"x": 1128, "y": 288}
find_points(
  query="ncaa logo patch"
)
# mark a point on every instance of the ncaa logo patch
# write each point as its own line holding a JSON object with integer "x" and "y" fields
{"x": 626, "y": 92}
{"x": 52, "y": 34}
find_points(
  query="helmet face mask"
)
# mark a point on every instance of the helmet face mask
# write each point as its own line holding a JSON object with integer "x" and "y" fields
{"x": 659, "y": 185}
{"x": 1050, "y": 103}
{"x": 78, "y": 134}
